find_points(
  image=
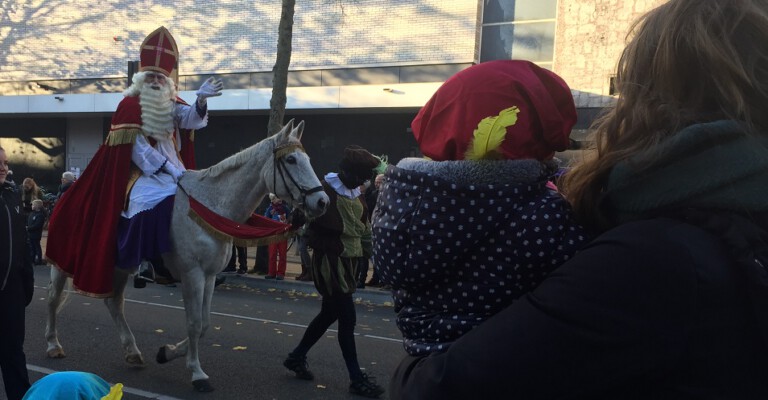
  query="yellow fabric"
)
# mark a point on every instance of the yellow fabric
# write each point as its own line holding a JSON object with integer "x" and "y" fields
{"x": 115, "y": 392}
{"x": 122, "y": 136}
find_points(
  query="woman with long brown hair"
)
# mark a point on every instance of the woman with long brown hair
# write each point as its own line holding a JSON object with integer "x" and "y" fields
{"x": 671, "y": 300}
{"x": 29, "y": 193}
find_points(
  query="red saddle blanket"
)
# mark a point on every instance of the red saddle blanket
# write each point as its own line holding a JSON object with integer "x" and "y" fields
{"x": 256, "y": 231}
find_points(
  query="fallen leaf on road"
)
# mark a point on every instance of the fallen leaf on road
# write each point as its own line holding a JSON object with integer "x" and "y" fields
{"x": 216, "y": 345}
{"x": 218, "y": 328}
{"x": 321, "y": 386}
{"x": 238, "y": 323}
{"x": 239, "y": 348}
{"x": 271, "y": 290}
{"x": 388, "y": 303}
{"x": 289, "y": 312}
{"x": 159, "y": 330}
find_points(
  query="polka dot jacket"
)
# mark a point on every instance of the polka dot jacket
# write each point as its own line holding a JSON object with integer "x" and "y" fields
{"x": 458, "y": 241}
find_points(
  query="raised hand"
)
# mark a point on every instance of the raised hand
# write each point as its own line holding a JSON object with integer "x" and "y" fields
{"x": 210, "y": 88}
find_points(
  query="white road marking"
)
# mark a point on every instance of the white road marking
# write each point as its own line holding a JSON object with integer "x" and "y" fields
{"x": 268, "y": 321}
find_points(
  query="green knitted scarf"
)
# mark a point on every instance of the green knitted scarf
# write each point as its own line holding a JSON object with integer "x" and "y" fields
{"x": 710, "y": 166}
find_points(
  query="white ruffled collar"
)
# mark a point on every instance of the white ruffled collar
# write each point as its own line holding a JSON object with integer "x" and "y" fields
{"x": 333, "y": 179}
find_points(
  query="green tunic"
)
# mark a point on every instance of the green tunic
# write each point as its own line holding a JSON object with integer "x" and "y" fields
{"x": 338, "y": 239}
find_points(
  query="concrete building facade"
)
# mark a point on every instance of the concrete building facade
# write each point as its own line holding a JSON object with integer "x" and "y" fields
{"x": 360, "y": 69}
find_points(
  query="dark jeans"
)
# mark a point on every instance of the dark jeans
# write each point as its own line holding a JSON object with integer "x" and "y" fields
{"x": 262, "y": 259}
{"x": 337, "y": 307}
{"x": 13, "y": 362}
{"x": 242, "y": 257}
{"x": 36, "y": 251}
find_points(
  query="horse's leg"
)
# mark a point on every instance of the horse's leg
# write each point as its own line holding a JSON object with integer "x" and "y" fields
{"x": 193, "y": 287}
{"x": 210, "y": 284}
{"x": 116, "y": 304}
{"x": 170, "y": 352}
{"x": 55, "y": 290}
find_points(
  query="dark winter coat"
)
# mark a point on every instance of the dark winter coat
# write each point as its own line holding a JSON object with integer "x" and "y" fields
{"x": 669, "y": 303}
{"x": 461, "y": 240}
{"x": 15, "y": 259}
{"x": 35, "y": 222}
{"x": 649, "y": 310}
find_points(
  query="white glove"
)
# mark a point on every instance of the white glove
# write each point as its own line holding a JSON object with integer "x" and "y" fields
{"x": 210, "y": 88}
{"x": 173, "y": 171}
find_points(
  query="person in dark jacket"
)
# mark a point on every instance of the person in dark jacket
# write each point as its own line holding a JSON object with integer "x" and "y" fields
{"x": 338, "y": 238}
{"x": 16, "y": 286}
{"x": 465, "y": 233}
{"x": 670, "y": 300}
{"x": 35, "y": 223}
{"x": 67, "y": 179}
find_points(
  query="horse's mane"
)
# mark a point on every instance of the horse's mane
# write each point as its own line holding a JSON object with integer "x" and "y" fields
{"x": 238, "y": 159}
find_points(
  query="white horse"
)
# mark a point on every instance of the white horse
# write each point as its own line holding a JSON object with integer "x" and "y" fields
{"x": 277, "y": 165}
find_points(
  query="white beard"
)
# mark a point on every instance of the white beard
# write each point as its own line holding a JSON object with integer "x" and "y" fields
{"x": 157, "y": 112}
{"x": 157, "y": 106}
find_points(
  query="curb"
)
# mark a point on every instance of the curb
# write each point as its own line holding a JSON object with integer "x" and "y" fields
{"x": 372, "y": 296}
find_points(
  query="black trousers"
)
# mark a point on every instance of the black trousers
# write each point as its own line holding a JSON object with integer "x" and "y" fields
{"x": 241, "y": 255}
{"x": 13, "y": 362}
{"x": 262, "y": 259}
{"x": 337, "y": 307}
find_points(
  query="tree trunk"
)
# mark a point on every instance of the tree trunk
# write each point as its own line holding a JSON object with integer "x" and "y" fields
{"x": 283, "y": 61}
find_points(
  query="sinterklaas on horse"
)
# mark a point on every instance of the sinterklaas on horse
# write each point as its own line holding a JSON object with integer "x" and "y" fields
{"x": 277, "y": 164}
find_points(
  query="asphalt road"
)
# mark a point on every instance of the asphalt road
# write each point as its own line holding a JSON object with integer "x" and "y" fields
{"x": 252, "y": 330}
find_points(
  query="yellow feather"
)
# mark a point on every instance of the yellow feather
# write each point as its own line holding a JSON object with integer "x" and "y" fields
{"x": 490, "y": 134}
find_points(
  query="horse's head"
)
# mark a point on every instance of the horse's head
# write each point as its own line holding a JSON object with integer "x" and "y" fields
{"x": 293, "y": 178}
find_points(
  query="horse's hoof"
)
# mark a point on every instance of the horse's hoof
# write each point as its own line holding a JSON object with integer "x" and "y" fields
{"x": 161, "y": 358}
{"x": 135, "y": 359}
{"x": 56, "y": 353}
{"x": 202, "y": 386}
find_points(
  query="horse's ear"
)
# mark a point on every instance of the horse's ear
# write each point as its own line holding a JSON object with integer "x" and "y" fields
{"x": 286, "y": 131}
{"x": 298, "y": 131}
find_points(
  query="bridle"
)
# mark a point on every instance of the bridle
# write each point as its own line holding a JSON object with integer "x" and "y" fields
{"x": 279, "y": 168}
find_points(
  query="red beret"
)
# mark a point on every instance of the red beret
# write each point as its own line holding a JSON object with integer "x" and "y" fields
{"x": 444, "y": 127}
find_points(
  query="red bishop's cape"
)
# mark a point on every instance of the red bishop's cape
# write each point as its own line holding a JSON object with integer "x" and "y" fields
{"x": 82, "y": 232}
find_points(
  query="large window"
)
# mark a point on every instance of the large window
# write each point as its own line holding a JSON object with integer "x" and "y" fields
{"x": 519, "y": 29}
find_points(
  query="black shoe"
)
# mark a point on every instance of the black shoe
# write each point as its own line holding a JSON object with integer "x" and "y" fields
{"x": 299, "y": 366}
{"x": 366, "y": 387}
{"x": 230, "y": 268}
{"x": 241, "y": 271}
{"x": 139, "y": 283}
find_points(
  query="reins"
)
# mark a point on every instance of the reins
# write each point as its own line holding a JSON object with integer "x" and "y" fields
{"x": 279, "y": 167}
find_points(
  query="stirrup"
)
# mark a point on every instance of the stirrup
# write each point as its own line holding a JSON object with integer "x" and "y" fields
{"x": 146, "y": 273}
